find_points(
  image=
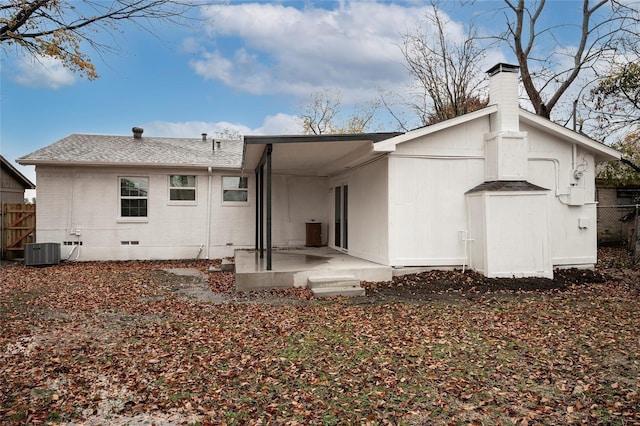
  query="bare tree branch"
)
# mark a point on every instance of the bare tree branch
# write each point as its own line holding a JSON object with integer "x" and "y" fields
{"x": 322, "y": 114}
{"x": 447, "y": 79}
{"x": 544, "y": 80}
{"x": 56, "y": 28}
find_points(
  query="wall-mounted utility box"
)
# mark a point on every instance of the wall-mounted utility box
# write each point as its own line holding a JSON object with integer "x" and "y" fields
{"x": 39, "y": 254}
{"x": 576, "y": 196}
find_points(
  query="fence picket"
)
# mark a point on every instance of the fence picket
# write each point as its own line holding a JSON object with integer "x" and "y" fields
{"x": 18, "y": 227}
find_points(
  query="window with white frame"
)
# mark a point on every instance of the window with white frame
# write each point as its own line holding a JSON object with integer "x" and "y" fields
{"x": 182, "y": 188}
{"x": 235, "y": 189}
{"x": 134, "y": 193}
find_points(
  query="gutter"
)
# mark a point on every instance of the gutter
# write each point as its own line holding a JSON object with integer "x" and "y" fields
{"x": 111, "y": 164}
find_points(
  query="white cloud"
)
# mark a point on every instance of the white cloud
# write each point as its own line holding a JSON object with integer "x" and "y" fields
{"x": 190, "y": 45}
{"x": 284, "y": 50}
{"x": 278, "y": 124}
{"x": 43, "y": 71}
{"x": 189, "y": 129}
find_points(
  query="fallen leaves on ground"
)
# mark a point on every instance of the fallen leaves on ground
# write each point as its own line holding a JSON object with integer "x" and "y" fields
{"x": 116, "y": 343}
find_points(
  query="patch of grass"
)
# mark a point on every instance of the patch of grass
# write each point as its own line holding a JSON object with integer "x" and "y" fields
{"x": 23, "y": 302}
{"x": 18, "y": 417}
{"x": 176, "y": 397}
{"x": 236, "y": 417}
{"x": 44, "y": 394}
{"x": 54, "y": 417}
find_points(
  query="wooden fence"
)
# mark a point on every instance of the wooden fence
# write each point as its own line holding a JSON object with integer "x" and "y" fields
{"x": 17, "y": 227}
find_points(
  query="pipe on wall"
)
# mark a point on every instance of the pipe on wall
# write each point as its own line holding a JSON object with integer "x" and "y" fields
{"x": 209, "y": 196}
{"x": 556, "y": 168}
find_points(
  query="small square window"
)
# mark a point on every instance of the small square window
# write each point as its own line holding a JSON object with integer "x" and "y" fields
{"x": 182, "y": 188}
{"x": 235, "y": 189}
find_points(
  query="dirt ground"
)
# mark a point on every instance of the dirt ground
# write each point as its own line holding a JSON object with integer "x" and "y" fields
{"x": 83, "y": 348}
{"x": 614, "y": 263}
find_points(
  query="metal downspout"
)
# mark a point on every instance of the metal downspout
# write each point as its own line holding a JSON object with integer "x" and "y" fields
{"x": 210, "y": 194}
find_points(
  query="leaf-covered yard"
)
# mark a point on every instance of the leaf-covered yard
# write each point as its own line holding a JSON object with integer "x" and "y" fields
{"x": 129, "y": 343}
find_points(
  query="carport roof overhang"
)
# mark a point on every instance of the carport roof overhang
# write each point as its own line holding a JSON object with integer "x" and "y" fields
{"x": 316, "y": 155}
{"x": 310, "y": 155}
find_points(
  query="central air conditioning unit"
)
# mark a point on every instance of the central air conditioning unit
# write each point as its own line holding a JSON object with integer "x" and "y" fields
{"x": 39, "y": 254}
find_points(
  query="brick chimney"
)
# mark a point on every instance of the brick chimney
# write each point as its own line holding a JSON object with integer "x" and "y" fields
{"x": 506, "y": 147}
{"x": 503, "y": 91}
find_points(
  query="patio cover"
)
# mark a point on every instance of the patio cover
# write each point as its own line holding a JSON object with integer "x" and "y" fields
{"x": 300, "y": 155}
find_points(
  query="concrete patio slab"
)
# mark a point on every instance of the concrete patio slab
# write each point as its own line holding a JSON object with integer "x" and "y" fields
{"x": 293, "y": 267}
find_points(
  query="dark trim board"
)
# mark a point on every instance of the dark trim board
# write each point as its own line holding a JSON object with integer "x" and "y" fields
{"x": 268, "y": 140}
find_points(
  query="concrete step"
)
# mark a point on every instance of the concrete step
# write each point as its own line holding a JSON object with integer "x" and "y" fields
{"x": 332, "y": 281}
{"x": 226, "y": 266}
{"x": 343, "y": 285}
{"x": 338, "y": 291}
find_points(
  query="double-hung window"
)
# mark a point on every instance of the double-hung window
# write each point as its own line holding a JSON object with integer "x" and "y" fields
{"x": 182, "y": 188}
{"x": 134, "y": 193}
{"x": 235, "y": 189}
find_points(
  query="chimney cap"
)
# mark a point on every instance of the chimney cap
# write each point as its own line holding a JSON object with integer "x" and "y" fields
{"x": 137, "y": 132}
{"x": 502, "y": 67}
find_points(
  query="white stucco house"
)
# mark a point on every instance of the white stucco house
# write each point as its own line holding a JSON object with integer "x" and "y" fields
{"x": 499, "y": 190}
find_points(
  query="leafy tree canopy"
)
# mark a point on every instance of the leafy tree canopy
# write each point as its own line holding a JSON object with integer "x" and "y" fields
{"x": 618, "y": 173}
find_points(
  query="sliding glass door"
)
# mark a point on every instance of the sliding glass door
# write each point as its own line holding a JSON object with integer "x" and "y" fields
{"x": 341, "y": 221}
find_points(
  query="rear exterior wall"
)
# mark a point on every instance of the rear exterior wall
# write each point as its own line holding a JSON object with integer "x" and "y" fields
{"x": 368, "y": 215}
{"x": 428, "y": 179}
{"x": 79, "y": 208}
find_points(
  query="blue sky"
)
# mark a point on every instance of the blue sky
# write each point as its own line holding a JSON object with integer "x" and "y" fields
{"x": 245, "y": 66}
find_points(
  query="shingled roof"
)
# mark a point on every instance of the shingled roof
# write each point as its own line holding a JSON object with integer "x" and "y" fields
{"x": 146, "y": 151}
{"x": 506, "y": 186}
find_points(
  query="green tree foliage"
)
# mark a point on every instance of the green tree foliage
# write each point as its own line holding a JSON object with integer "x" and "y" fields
{"x": 617, "y": 97}
{"x": 616, "y": 103}
{"x": 618, "y": 173}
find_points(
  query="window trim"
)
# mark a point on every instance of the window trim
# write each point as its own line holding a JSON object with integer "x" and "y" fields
{"x": 132, "y": 219}
{"x": 230, "y": 202}
{"x": 182, "y": 202}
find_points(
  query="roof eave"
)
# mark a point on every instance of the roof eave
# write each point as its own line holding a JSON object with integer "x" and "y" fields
{"x": 601, "y": 151}
{"x": 389, "y": 145}
{"x": 16, "y": 173}
{"x": 333, "y": 137}
{"x": 28, "y": 162}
